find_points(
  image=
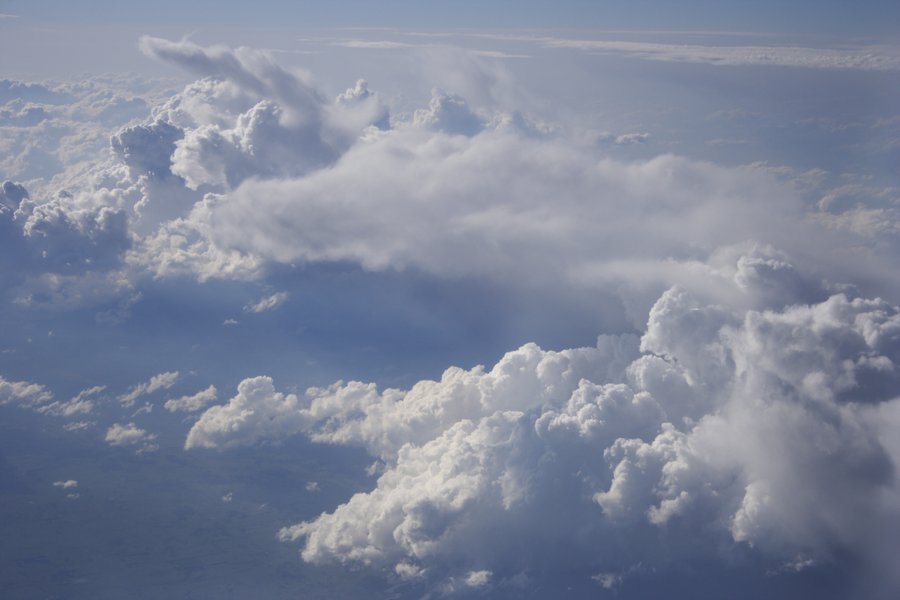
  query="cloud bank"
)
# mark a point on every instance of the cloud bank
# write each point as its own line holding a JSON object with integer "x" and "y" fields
{"x": 766, "y": 427}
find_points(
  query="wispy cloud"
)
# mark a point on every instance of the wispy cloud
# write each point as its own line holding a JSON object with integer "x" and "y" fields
{"x": 268, "y": 303}
{"x": 881, "y": 58}
{"x": 157, "y": 382}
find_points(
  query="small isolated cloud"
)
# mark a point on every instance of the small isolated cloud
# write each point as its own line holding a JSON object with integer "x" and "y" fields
{"x": 608, "y": 581}
{"x": 477, "y": 579}
{"x": 81, "y": 404}
{"x": 23, "y": 393}
{"x": 467, "y": 583}
{"x": 227, "y": 498}
{"x": 312, "y": 486}
{"x": 257, "y": 413}
{"x": 130, "y": 435}
{"x": 230, "y": 322}
{"x": 157, "y": 382}
{"x": 408, "y": 571}
{"x": 268, "y": 303}
{"x": 625, "y": 139}
{"x": 78, "y": 425}
{"x": 66, "y": 485}
{"x": 192, "y": 403}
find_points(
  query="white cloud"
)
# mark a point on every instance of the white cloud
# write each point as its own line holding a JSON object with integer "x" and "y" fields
{"x": 66, "y": 485}
{"x": 267, "y": 303}
{"x": 192, "y": 403}
{"x": 879, "y": 58}
{"x": 283, "y": 174}
{"x": 67, "y": 409}
{"x": 375, "y": 44}
{"x": 448, "y": 113}
{"x": 130, "y": 435}
{"x": 78, "y": 425}
{"x": 157, "y": 382}
{"x": 762, "y": 426}
{"x": 82, "y": 403}
{"x": 266, "y": 121}
{"x": 23, "y": 393}
{"x": 257, "y": 413}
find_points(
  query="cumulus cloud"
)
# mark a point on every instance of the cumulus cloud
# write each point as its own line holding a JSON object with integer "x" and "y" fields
{"x": 192, "y": 403}
{"x": 130, "y": 435}
{"x": 66, "y": 485}
{"x": 256, "y": 413}
{"x": 160, "y": 381}
{"x": 275, "y": 122}
{"x": 766, "y": 426}
{"x": 23, "y": 393}
{"x": 448, "y": 113}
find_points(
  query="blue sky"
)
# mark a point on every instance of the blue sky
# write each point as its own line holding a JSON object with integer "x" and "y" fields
{"x": 506, "y": 300}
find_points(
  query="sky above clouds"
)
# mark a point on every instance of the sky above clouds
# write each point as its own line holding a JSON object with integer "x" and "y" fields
{"x": 506, "y": 300}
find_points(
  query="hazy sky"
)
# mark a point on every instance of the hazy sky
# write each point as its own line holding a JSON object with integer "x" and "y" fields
{"x": 798, "y": 16}
{"x": 419, "y": 300}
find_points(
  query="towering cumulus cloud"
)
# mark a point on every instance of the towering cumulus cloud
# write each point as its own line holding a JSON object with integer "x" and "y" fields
{"x": 766, "y": 428}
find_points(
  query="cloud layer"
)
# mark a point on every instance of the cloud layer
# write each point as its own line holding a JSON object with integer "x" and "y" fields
{"x": 753, "y": 413}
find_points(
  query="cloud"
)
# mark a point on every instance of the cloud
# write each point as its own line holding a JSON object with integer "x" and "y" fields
{"x": 81, "y": 404}
{"x": 267, "y": 303}
{"x": 12, "y": 194}
{"x": 251, "y": 166}
{"x": 66, "y": 485}
{"x": 157, "y": 382}
{"x": 626, "y": 139}
{"x": 374, "y": 44}
{"x": 23, "y": 393}
{"x": 130, "y": 435}
{"x": 78, "y": 425}
{"x": 875, "y": 58}
{"x": 756, "y": 415}
{"x": 448, "y": 113}
{"x": 147, "y": 149}
{"x": 192, "y": 403}
{"x": 276, "y": 124}
{"x": 456, "y": 206}
{"x": 256, "y": 413}
{"x": 729, "y": 426}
